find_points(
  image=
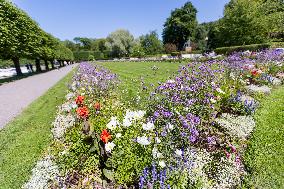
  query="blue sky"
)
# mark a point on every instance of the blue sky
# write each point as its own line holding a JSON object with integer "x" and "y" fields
{"x": 67, "y": 19}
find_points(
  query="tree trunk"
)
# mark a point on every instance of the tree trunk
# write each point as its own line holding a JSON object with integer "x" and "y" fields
{"x": 52, "y": 64}
{"x": 37, "y": 63}
{"x": 17, "y": 66}
{"x": 46, "y": 65}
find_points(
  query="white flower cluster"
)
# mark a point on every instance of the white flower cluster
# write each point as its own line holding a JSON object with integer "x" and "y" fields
{"x": 237, "y": 126}
{"x": 44, "y": 172}
{"x": 67, "y": 107}
{"x": 258, "y": 89}
{"x": 225, "y": 174}
{"x": 275, "y": 81}
{"x": 61, "y": 124}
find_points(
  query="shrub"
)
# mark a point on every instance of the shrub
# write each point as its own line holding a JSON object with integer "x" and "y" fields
{"x": 229, "y": 50}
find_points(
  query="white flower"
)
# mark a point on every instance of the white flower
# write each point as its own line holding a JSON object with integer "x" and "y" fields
{"x": 212, "y": 100}
{"x": 158, "y": 141}
{"x": 220, "y": 91}
{"x": 74, "y": 105}
{"x": 154, "y": 152}
{"x": 69, "y": 96}
{"x": 126, "y": 122}
{"x": 143, "y": 140}
{"x": 159, "y": 155}
{"x": 170, "y": 126}
{"x": 148, "y": 126}
{"x": 171, "y": 81}
{"x": 178, "y": 152}
{"x": 109, "y": 146}
{"x": 162, "y": 164}
{"x": 113, "y": 123}
{"x": 118, "y": 135}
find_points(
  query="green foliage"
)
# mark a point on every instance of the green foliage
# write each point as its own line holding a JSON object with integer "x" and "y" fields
{"x": 248, "y": 22}
{"x": 229, "y": 50}
{"x": 151, "y": 43}
{"x": 21, "y": 37}
{"x": 138, "y": 50}
{"x": 127, "y": 159}
{"x": 180, "y": 26}
{"x": 120, "y": 43}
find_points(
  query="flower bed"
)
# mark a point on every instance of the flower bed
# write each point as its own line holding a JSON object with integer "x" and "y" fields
{"x": 192, "y": 133}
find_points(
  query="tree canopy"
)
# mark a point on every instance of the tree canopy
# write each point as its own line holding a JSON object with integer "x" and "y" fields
{"x": 120, "y": 43}
{"x": 180, "y": 26}
{"x": 21, "y": 37}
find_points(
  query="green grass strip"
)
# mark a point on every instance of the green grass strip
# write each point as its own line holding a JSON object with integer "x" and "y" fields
{"x": 23, "y": 140}
{"x": 265, "y": 154}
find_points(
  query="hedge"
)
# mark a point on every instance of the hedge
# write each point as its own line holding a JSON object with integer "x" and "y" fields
{"x": 253, "y": 47}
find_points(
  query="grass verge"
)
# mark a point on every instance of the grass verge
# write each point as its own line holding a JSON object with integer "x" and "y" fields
{"x": 24, "y": 139}
{"x": 265, "y": 153}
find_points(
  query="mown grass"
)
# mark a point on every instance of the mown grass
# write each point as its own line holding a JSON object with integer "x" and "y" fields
{"x": 265, "y": 153}
{"x": 23, "y": 140}
{"x": 131, "y": 75}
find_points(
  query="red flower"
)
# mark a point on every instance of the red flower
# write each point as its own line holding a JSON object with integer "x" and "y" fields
{"x": 256, "y": 72}
{"x": 83, "y": 112}
{"x": 80, "y": 100}
{"x": 97, "y": 106}
{"x": 105, "y": 136}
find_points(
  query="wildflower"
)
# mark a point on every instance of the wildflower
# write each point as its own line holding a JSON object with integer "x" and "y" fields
{"x": 109, "y": 146}
{"x": 148, "y": 126}
{"x": 143, "y": 140}
{"x": 162, "y": 164}
{"x": 154, "y": 152}
{"x": 220, "y": 91}
{"x": 228, "y": 155}
{"x": 97, "y": 106}
{"x": 105, "y": 136}
{"x": 212, "y": 100}
{"x": 118, "y": 135}
{"x": 170, "y": 126}
{"x": 178, "y": 152}
{"x": 113, "y": 123}
{"x": 159, "y": 155}
{"x": 79, "y": 100}
{"x": 158, "y": 141}
{"x": 126, "y": 122}
{"x": 256, "y": 72}
{"x": 83, "y": 112}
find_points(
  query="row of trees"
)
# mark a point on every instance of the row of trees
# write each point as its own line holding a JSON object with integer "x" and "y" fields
{"x": 21, "y": 37}
{"x": 120, "y": 43}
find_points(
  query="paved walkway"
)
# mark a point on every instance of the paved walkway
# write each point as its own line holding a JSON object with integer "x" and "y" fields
{"x": 17, "y": 95}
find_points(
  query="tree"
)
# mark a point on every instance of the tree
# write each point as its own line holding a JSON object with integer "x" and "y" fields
{"x": 248, "y": 22}
{"x": 151, "y": 43}
{"x": 120, "y": 43}
{"x": 169, "y": 48}
{"x": 20, "y": 36}
{"x": 138, "y": 50}
{"x": 180, "y": 26}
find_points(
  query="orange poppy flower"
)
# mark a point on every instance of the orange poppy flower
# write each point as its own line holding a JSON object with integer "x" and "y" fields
{"x": 105, "y": 136}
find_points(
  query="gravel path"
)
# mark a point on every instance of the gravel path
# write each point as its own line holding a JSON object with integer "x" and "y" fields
{"x": 17, "y": 95}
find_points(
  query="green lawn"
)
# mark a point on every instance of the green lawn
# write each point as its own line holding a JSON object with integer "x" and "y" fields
{"x": 23, "y": 141}
{"x": 132, "y": 73}
{"x": 265, "y": 154}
